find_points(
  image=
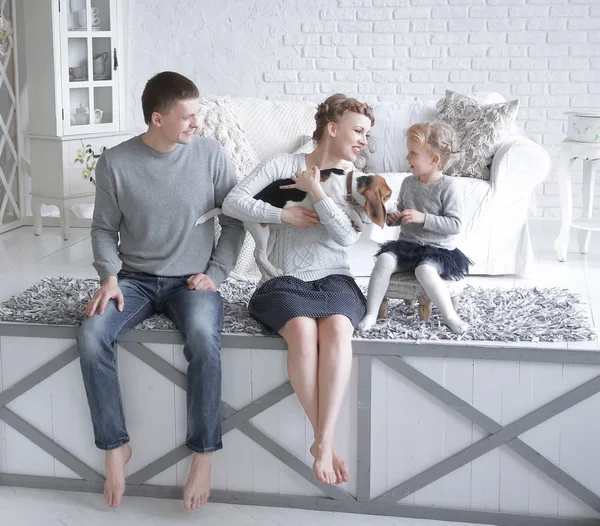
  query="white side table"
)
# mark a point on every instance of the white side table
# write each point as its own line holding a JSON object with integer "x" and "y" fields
{"x": 590, "y": 154}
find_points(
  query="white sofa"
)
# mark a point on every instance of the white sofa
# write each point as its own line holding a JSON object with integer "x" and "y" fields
{"x": 495, "y": 232}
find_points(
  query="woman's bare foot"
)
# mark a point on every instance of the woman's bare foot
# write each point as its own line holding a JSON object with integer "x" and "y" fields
{"x": 323, "y": 464}
{"x": 340, "y": 467}
{"x": 197, "y": 487}
{"x": 114, "y": 465}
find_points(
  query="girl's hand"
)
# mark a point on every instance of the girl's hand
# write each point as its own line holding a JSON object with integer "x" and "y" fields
{"x": 308, "y": 181}
{"x": 412, "y": 216}
{"x": 392, "y": 217}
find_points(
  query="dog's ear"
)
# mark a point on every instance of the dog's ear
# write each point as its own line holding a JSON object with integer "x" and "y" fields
{"x": 377, "y": 195}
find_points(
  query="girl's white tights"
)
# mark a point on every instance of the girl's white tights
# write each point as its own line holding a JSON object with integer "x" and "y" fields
{"x": 428, "y": 278}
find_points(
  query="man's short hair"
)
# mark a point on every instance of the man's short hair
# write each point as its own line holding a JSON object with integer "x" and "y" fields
{"x": 165, "y": 89}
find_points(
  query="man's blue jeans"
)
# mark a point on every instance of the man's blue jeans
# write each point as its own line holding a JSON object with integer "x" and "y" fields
{"x": 197, "y": 314}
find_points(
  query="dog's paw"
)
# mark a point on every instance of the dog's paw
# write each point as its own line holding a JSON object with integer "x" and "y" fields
{"x": 367, "y": 322}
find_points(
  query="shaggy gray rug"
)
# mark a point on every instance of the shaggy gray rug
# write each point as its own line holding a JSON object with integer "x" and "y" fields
{"x": 523, "y": 314}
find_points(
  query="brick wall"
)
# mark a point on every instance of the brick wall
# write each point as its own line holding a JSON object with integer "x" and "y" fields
{"x": 544, "y": 52}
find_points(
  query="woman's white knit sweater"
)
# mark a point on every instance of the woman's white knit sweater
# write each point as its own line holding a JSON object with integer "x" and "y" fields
{"x": 305, "y": 253}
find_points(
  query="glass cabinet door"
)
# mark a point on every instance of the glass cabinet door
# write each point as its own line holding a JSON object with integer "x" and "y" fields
{"x": 89, "y": 66}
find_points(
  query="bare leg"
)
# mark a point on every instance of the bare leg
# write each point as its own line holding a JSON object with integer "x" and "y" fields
{"x": 197, "y": 487}
{"x": 335, "y": 365}
{"x": 438, "y": 293}
{"x": 114, "y": 465}
{"x": 378, "y": 285}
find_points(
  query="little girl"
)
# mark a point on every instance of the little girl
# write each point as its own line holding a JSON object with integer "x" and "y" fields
{"x": 429, "y": 210}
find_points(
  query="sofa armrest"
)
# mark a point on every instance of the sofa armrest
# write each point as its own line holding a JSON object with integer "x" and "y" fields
{"x": 519, "y": 164}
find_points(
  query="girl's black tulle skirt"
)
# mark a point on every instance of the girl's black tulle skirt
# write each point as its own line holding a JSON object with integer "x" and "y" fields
{"x": 451, "y": 264}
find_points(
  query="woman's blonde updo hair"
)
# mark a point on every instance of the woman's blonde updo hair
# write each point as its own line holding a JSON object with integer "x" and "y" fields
{"x": 436, "y": 138}
{"x": 332, "y": 109}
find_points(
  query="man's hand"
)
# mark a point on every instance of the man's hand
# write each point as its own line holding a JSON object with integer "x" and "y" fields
{"x": 201, "y": 282}
{"x": 392, "y": 217}
{"x": 109, "y": 290}
{"x": 412, "y": 216}
{"x": 299, "y": 217}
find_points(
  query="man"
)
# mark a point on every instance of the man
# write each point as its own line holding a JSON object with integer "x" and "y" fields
{"x": 149, "y": 192}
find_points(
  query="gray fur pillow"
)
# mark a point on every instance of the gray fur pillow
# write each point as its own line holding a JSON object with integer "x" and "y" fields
{"x": 479, "y": 128}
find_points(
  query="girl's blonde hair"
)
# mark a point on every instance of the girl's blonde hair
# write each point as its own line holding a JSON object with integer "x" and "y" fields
{"x": 436, "y": 138}
{"x": 332, "y": 109}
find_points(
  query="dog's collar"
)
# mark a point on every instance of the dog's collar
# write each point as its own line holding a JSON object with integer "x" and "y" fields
{"x": 349, "y": 196}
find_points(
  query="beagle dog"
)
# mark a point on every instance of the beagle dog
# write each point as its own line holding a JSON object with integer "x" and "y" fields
{"x": 364, "y": 199}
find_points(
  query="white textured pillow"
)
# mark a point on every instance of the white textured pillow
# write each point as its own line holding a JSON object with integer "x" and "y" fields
{"x": 219, "y": 122}
{"x": 479, "y": 127}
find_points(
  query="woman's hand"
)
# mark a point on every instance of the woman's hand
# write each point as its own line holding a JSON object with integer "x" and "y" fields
{"x": 299, "y": 217}
{"x": 308, "y": 181}
{"x": 392, "y": 217}
{"x": 412, "y": 216}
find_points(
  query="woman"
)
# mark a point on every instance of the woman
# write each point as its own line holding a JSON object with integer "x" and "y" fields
{"x": 316, "y": 304}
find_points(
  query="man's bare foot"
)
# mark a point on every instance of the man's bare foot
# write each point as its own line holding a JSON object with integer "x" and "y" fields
{"x": 114, "y": 465}
{"x": 323, "y": 464}
{"x": 340, "y": 467}
{"x": 197, "y": 487}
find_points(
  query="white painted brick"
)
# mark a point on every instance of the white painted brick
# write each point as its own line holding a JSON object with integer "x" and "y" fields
{"x": 549, "y": 101}
{"x": 585, "y": 76}
{"x": 466, "y": 51}
{"x": 583, "y": 50}
{"x": 567, "y": 64}
{"x": 390, "y": 76}
{"x": 315, "y": 76}
{"x": 429, "y": 76}
{"x": 338, "y": 87}
{"x": 542, "y": 126}
{"x": 487, "y": 38}
{"x": 424, "y": 25}
{"x": 412, "y": 39}
{"x": 301, "y": 40}
{"x": 318, "y": 27}
{"x": 468, "y": 76}
{"x": 510, "y": 24}
{"x": 584, "y": 101}
{"x": 389, "y": 52}
{"x": 490, "y": 64}
{"x": 548, "y": 51}
{"x": 594, "y": 37}
{"x": 594, "y": 89}
{"x": 528, "y": 63}
{"x": 440, "y": 89}
{"x": 355, "y": 27}
{"x": 528, "y": 11}
{"x": 547, "y": 24}
{"x": 413, "y": 12}
{"x": 527, "y": 89}
{"x": 428, "y": 2}
{"x": 595, "y": 10}
{"x": 414, "y": 88}
{"x": 505, "y": 2}
{"x": 569, "y": 11}
{"x": 426, "y": 51}
{"x": 450, "y": 38}
{"x": 375, "y": 14}
{"x": 594, "y": 63}
{"x": 373, "y": 63}
{"x": 354, "y": 52}
{"x": 529, "y": 37}
{"x": 334, "y": 63}
{"x": 337, "y": 14}
{"x": 379, "y": 89}
{"x": 280, "y": 76}
{"x": 338, "y": 40}
{"x": 402, "y": 64}
{"x": 566, "y": 37}
{"x": 583, "y": 24}
{"x": 375, "y": 40}
{"x": 466, "y": 2}
{"x": 555, "y": 114}
{"x": 568, "y": 88}
{"x": 300, "y": 87}
{"x": 391, "y": 3}
{"x": 318, "y": 52}
{"x": 451, "y": 64}
{"x": 476, "y": 24}
{"x": 352, "y": 76}
{"x": 449, "y": 12}
{"x": 353, "y": 3}
{"x": 509, "y": 77}
{"x": 488, "y": 12}
{"x": 396, "y": 26}
{"x": 532, "y": 113}
{"x": 415, "y": 63}
{"x": 296, "y": 63}
{"x": 548, "y": 76}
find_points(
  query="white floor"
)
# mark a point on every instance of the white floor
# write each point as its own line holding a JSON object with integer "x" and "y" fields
{"x": 25, "y": 258}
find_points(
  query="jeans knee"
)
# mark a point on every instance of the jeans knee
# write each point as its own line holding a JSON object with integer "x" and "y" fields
{"x": 92, "y": 341}
{"x": 203, "y": 344}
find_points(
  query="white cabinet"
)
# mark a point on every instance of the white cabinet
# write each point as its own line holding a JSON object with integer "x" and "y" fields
{"x": 75, "y": 61}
